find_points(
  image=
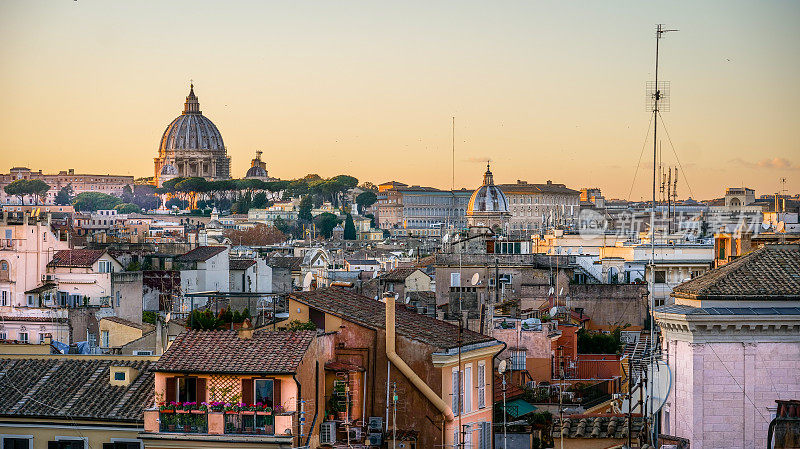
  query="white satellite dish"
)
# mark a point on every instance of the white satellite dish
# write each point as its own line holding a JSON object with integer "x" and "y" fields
{"x": 551, "y": 291}
{"x": 553, "y": 311}
{"x": 501, "y": 368}
{"x": 408, "y": 299}
{"x": 308, "y": 279}
{"x": 561, "y": 292}
{"x": 475, "y": 279}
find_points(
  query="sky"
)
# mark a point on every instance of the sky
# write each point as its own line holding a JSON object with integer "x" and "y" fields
{"x": 545, "y": 90}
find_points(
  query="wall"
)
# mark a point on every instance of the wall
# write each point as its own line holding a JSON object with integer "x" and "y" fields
{"x": 128, "y": 287}
{"x": 118, "y": 334}
{"x": 611, "y": 305}
{"x": 49, "y": 430}
{"x": 724, "y": 393}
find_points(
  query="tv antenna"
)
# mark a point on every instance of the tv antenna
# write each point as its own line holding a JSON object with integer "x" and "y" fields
{"x": 658, "y": 96}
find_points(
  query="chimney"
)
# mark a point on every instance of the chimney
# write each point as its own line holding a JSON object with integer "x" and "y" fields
{"x": 246, "y": 331}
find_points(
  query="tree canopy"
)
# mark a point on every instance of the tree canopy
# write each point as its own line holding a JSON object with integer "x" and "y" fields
{"x": 27, "y": 187}
{"x": 365, "y": 200}
{"x": 93, "y": 201}
{"x": 64, "y": 196}
{"x": 349, "y": 228}
{"x": 325, "y": 222}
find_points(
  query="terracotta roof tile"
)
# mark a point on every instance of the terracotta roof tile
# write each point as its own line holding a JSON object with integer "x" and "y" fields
{"x": 73, "y": 388}
{"x": 76, "y": 258}
{"x": 200, "y": 254}
{"x": 370, "y": 313}
{"x": 770, "y": 272}
{"x": 241, "y": 264}
{"x": 397, "y": 275}
{"x": 292, "y": 263}
{"x": 200, "y": 351}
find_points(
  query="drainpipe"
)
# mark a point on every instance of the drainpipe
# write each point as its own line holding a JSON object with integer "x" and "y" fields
{"x": 297, "y": 406}
{"x": 316, "y": 406}
{"x": 391, "y": 354}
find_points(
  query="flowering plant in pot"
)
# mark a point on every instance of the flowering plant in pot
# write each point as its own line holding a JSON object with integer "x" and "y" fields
{"x": 215, "y": 406}
{"x": 247, "y": 409}
{"x": 263, "y": 409}
{"x": 167, "y": 407}
{"x": 231, "y": 409}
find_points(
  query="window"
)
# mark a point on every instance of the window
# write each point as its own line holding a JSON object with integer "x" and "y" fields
{"x": 187, "y": 389}
{"x": 3, "y": 298}
{"x": 31, "y": 301}
{"x": 661, "y": 277}
{"x": 481, "y": 386}
{"x": 42, "y": 336}
{"x": 23, "y": 337}
{"x": 67, "y": 443}
{"x": 119, "y": 375}
{"x": 454, "y": 393}
{"x": 104, "y": 266}
{"x": 104, "y": 339}
{"x": 518, "y": 359}
{"x": 17, "y": 441}
{"x": 455, "y": 279}
{"x": 4, "y": 271}
{"x": 142, "y": 352}
{"x": 468, "y": 389}
{"x": 264, "y": 392}
{"x": 3, "y": 335}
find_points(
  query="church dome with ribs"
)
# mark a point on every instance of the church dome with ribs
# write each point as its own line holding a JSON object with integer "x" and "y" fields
{"x": 191, "y": 130}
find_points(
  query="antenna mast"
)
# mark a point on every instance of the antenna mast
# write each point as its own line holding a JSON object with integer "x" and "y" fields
{"x": 658, "y": 92}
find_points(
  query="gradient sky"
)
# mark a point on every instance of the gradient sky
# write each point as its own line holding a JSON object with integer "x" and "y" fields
{"x": 547, "y": 90}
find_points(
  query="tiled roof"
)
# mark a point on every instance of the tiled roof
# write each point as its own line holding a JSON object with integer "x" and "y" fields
{"x": 218, "y": 351}
{"x": 34, "y": 319}
{"x": 370, "y": 313}
{"x": 525, "y": 188}
{"x": 241, "y": 264}
{"x": 397, "y": 275}
{"x": 200, "y": 254}
{"x": 770, "y": 272}
{"x": 42, "y": 288}
{"x": 73, "y": 388}
{"x": 76, "y": 258}
{"x": 292, "y": 263}
{"x": 589, "y": 426}
{"x": 362, "y": 262}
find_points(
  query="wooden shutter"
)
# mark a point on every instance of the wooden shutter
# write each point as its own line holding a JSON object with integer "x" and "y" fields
{"x": 172, "y": 390}
{"x": 201, "y": 389}
{"x": 276, "y": 392}
{"x": 247, "y": 391}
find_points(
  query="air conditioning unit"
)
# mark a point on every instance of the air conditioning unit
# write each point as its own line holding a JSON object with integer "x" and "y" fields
{"x": 327, "y": 433}
{"x": 375, "y": 439}
{"x": 355, "y": 434}
{"x": 48, "y": 277}
{"x": 375, "y": 424}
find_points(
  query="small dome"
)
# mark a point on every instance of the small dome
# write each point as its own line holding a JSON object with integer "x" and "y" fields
{"x": 488, "y": 198}
{"x": 169, "y": 170}
{"x": 214, "y": 224}
{"x": 256, "y": 172}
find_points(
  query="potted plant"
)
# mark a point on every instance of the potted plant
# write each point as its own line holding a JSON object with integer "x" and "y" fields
{"x": 263, "y": 409}
{"x": 247, "y": 409}
{"x": 165, "y": 407}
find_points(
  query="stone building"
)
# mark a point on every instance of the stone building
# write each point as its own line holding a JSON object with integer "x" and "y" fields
{"x": 732, "y": 342}
{"x": 537, "y": 207}
{"x": 78, "y": 182}
{"x": 191, "y": 146}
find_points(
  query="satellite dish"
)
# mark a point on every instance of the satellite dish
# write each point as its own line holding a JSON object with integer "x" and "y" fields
{"x": 308, "y": 279}
{"x": 501, "y": 368}
{"x": 561, "y": 292}
{"x": 553, "y": 311}
{"x": 408, "y": 299}
{"x": 411, "y": 252}
{"x": 475, "y": 279}
{"x": 551, "y": 291}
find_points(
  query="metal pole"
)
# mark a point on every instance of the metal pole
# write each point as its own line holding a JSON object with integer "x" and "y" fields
{"x": 505, "y": 411}
{"x": 394, "y": 415}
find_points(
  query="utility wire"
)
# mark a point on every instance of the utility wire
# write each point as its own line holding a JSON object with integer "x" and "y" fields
{"x": 638, "y": 164}
{"x": 685, "y": 178}
{"x": 711, "y": 346}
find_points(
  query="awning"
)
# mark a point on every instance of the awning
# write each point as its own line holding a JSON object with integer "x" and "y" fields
{"x": 519, "y": 407}
{"x": 41, "y": 289}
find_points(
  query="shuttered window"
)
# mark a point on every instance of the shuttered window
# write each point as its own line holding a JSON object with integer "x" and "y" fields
{"x": 481, "y": 386}
{"x": 455, "y": 394}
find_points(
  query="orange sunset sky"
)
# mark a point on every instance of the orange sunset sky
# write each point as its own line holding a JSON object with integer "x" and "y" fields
{"x": 546, "y": 90}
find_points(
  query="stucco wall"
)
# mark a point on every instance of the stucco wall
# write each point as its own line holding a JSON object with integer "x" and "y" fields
{"x": 724, "y": 393}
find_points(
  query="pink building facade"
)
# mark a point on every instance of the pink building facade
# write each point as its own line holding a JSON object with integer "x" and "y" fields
{"x": 732, "y": 342}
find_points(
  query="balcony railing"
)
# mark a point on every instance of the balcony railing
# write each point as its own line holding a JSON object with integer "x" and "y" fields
{"x": 183, "y": 421}
{"x": 217, "y": 423}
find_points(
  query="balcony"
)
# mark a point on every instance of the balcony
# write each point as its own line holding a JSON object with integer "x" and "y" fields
{"x": 218, "y": 423}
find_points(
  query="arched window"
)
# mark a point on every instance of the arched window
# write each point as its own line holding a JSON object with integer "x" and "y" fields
{"x": 4, "y": 270}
